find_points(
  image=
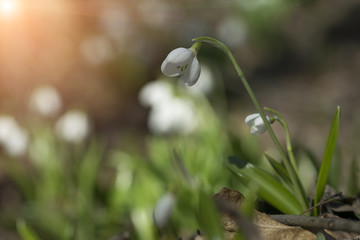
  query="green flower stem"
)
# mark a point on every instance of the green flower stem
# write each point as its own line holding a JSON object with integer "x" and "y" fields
{"x": 298, "y": 189}
{"x": 289, "y": 148}
{"x": 196, "y": 46}
{"x": 283, "y": 123}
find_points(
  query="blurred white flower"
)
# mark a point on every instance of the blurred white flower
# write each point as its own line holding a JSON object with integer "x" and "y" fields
{"x": 182, "y": 62}
{"x": 168, "y": 114}
{"x": 73, "y": 126}
{"x": 232, "y": 30}
{"x": 163, "y": 209}
{"x": 115, "y": 21}
{"x": 256, "y": 124}
{"x": 96, "y": 49}
{"x": 46, "y": 101}
{"x": 13, "y": 138}
{"x": 154, "y": 93}
{"x": 175, "y": 115}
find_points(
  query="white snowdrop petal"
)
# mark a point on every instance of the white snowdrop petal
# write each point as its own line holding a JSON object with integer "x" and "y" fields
{"x": 250, "y": 118}
{"x": 180, "y": 55}
{"x": 177, "y": 61}
{"x": 169, "y": 69}
{"x": 256, "y": 124}
{"x": 194, "y": 72}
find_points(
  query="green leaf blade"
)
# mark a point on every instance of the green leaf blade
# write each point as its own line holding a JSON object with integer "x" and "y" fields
{"x": 328, "y": 154}
{"x": 279, "y": 169}
{"x": 268, "y": 189}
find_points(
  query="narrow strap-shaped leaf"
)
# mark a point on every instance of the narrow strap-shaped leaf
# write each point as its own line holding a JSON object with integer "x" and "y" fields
{"x": 268, "y": 188}
{"x": 328, "y": 154}
{"x": 279, "y": 169}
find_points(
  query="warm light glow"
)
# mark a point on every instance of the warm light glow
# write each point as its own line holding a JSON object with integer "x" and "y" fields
{"x": 8, "y": 7}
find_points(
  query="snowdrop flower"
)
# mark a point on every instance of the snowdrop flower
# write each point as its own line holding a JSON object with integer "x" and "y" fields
{"x": 46, "y": 101}
{"x": 73, "y": 126}
{"x": 13, "y": 138}
{"x": 182, "y": 62}
{"x": 163, "y": 209}
{"x": 256, "y": 124}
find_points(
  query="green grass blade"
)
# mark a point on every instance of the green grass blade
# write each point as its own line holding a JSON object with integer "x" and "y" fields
{"x": 329, "y": 151}
{"x": 268, "y": 188}
{"x": 25, "y": 231}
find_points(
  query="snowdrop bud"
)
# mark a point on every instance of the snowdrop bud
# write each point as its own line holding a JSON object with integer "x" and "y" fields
{"x": 256, "y": 124}
{"x": 163, "y": 209}
{"x": 182, "y": 62}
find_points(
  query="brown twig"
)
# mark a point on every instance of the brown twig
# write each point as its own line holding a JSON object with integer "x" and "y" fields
{"x": 337, "y": 196}
{"x": 308, "y": 222}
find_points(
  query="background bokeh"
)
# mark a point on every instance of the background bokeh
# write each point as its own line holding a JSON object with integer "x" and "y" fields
{"x": 302, "y": 58}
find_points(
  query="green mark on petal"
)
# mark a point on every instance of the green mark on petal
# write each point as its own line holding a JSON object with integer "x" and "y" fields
{"x": 182, "y": 68}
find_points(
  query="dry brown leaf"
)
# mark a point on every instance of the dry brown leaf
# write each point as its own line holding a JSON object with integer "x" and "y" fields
{"x": 228, "y": 202}
{"x": 273, "y": 230}
{"x": 269, "y": 228}
{"x": 234, "y": 199}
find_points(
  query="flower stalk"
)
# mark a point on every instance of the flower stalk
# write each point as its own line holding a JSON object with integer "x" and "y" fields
{"x": 290, "y": 167}
{"x": 283, "y": 123}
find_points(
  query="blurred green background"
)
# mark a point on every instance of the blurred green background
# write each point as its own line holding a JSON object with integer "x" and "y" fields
{"x": 80, "y": 157}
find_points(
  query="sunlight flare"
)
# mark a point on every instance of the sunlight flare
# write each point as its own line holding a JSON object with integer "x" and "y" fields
{"x": 8, "y": 7}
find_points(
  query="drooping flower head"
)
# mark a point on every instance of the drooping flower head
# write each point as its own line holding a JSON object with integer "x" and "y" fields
{"x": 182, "y": 62}
{"x": 256, "y": 124}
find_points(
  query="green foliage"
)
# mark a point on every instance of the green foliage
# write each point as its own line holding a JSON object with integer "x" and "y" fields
{"x": 91, "y": 191}
{"x": 267, "y": 187}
